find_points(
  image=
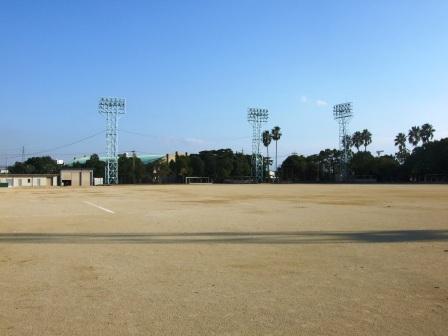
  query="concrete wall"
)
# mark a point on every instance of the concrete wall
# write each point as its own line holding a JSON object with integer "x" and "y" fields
{"x": 87, "y": 178}
{"x": 28, "y": 181}
{"x": 77, "y": 177}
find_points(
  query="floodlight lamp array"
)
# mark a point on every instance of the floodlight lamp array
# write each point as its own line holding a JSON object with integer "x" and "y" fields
{"x": 112, "y": 103}
{"x": 342, "y": 111}
{"x": 257, "y": 114}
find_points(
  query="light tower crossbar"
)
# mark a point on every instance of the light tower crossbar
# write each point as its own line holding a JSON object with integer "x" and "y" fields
{"x": 256, "y": 117}
{"x": 111, "y": 108}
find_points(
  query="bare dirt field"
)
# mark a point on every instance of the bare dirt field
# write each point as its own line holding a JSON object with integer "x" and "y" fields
{"x": 225, "y": 260}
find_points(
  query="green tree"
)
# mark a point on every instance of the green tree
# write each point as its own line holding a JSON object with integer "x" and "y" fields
{"x": 386, "y": 168}
{"x": 429, "y": 159}
{"x": 366, "y": 137}
{"x": 197, "y": 165}
{"x": 400, "y": 141}
{"x": 414, "y": 136}
{"x": 96, "y": 164}
{"x": 357, "y": 140}
{"x": 312, "y": 168}
{"x": 218, "y": 164}
{"x": 182, "y": 166}
{"x": 276, "y": 135}
{"x": 35, "y": 165}
{"x": 224, "y": 164}
{"x": 328, "y": 160}
{"x": 241, "y": 165}
{"x": 294, "y": 168}
{"x": 21, "y": 168}
{"x": 362, "y": 163}
{"x": 210, "y": 165}
{"x": 402, "y": 155}
{"x": 130, "y": 169}
{"x": 427, "y": 133}
{"x": 267, "y": 137}
{"x": 158, "y": 171}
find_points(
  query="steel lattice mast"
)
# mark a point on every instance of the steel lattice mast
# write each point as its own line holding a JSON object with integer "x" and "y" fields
{"x": 342, "y": 114}
{"x": 257, "y": 116}
{"x": 111, "y": 108}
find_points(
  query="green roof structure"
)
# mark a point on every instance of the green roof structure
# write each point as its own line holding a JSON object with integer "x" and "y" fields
{"x": 146, "y": 158}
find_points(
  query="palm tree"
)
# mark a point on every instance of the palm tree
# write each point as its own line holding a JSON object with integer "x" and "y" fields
{"x": 427, "y": 133}
{"x": 266, "y": 142}
{"x": 366, "y": 138}
{"x": 400, "y": 141}
{"x": 357, "y": 140}
{"x": 414, "y": 136}
{"x": 276, "y": 135}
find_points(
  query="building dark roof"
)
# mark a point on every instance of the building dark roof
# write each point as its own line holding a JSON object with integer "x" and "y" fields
{"x": 77, "y": 169}
{"x": 28, "y": 175}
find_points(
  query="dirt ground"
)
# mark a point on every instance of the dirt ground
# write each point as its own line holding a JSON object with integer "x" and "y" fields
{"x": 225, "y": 260}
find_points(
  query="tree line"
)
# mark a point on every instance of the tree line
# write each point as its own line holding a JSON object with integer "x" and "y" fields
{"x": 219, "y": 165}
{"x": 418, "y": 158}
{"x": 427, "y": 162}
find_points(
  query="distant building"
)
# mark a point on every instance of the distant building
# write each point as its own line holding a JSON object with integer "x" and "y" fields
{"x": 172, "y": 157}
{"x": 28, "y": 180}
{"x": 77, "y": 177}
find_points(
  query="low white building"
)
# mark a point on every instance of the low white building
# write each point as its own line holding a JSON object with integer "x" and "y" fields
{"x": 77, "y": 177}
{"x": 29, "y": 180}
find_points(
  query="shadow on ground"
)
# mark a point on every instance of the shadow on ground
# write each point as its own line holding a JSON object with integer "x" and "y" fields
{"x": 280, "y": 237}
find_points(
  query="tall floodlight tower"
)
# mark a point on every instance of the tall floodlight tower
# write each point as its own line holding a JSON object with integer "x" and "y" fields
{"x": 257, "y": 116}
{"x": 111, "y": 108}
{"x": 342, "y": 114}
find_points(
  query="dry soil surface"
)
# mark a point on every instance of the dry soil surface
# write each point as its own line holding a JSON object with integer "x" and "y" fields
{"x": 225, "y": 260}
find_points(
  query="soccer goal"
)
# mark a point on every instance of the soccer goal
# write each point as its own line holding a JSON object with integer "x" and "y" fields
{"x": 197, "y": 180}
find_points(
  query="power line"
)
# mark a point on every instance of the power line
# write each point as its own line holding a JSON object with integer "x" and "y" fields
{"x": 17, "y": 155}
{"x": 180, "y": 139}
{"x": 58, "y": 147}
{"x": 140, "y": 134}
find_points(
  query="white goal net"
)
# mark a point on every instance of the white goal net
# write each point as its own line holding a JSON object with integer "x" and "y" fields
{"x": 197, "y": 180}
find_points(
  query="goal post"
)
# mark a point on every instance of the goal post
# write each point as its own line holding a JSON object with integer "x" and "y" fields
{"x": 197, "y": 180}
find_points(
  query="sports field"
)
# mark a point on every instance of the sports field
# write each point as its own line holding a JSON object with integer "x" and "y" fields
{"x": 225, "y": 260}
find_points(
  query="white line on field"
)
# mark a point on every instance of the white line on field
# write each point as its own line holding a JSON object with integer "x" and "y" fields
{"x": 99, "y": 207}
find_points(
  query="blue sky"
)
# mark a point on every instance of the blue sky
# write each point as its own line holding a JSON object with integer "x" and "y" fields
{"x": 190, "y": 69}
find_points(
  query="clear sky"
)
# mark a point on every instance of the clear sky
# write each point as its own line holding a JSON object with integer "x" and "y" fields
{"x": 190, "y": 69}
